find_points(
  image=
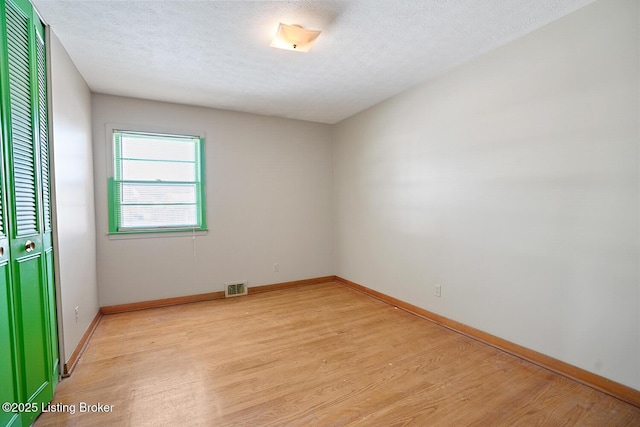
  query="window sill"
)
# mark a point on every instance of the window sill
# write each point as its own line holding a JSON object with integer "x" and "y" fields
{"x": 155, "y": 234}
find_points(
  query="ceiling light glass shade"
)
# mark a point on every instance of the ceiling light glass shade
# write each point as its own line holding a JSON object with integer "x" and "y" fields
{"x": 294, "y": 37}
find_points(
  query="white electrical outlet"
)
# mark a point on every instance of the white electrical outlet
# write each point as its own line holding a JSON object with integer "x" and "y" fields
{"x": 276, "y": 267}
{"x": 438, "y": 291}
{"x": 77, "y": 314}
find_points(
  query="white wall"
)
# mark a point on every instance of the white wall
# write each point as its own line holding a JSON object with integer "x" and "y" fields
{"x": 512, "y": 181}
{"x": 269, "y": 196}
{"x": 74, "y": 215}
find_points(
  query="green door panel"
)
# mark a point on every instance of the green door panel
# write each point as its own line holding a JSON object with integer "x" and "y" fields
{"x": 32, "y": 322}
{"x": 8, "y": 368}
{"x": 54, "y": 359}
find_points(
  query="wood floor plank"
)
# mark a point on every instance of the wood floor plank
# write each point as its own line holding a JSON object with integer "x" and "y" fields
{"x": 315, "y": 355}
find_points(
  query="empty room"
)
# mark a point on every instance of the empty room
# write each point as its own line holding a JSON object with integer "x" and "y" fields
{"x": 330, "y": 213}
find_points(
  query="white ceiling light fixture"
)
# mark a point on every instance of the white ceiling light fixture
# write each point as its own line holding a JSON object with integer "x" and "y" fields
{"x": 294, "y": 37}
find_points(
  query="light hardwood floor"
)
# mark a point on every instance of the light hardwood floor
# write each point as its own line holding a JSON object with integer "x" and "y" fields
{"x": 315, "y": 355}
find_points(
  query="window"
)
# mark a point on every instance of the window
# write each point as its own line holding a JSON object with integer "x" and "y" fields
{"x": 157, "y": 184}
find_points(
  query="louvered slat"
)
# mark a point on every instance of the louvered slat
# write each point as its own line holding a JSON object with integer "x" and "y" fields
{"x": 22, "y": 144}
{"x": 44, "y": 135}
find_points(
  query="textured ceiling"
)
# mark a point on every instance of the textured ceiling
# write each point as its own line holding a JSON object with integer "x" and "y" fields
{"x": 217, "y": 54}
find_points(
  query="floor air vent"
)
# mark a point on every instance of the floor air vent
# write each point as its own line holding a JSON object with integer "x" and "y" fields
{"x": 235, "y": 289}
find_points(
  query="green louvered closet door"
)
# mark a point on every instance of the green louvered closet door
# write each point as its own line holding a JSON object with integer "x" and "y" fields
{"x": 31, "y": 304}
